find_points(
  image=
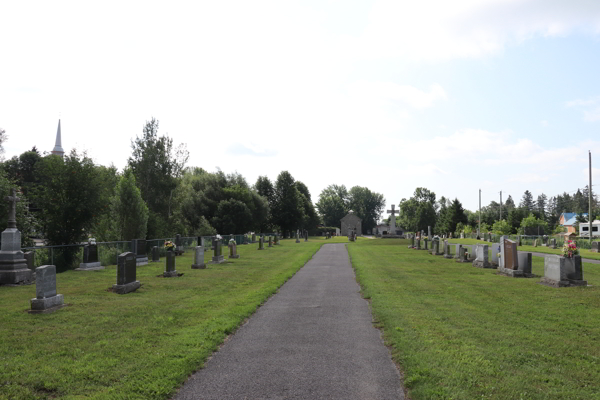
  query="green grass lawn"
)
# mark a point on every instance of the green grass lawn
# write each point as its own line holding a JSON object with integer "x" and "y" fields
{"x": 141, "y": 345}
{"x": 460, "y": 332}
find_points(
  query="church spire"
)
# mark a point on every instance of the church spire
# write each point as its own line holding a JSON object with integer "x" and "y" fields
{"x": 58, "y": 150}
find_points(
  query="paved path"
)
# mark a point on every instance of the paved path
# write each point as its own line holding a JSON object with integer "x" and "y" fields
{"x": 312, "y": 340}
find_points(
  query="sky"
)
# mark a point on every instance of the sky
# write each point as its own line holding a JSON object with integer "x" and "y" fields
{"x": 456, "y": 97}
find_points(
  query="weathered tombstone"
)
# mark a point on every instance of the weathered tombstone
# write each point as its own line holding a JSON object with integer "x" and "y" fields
{"x": 473, "y": 253}
{"x": 429, "y": 232}
{"x": 481, "y": 260}
{"x": 270, "y": 241}
{"x": 254, "y": 238}
{"x": 170, "y": 270}
{"x": 418, "y": 244}
{"x": 563, "y": 271}
{"x": 179, "y": 250}
{"x": 436, "y": 248}
{"x": 30, "y": 258}
{"x": 155, "y": 254}
{"x": 90, "y": 257}
{"x": 412, "y": 242}
{"x": 534, "y": 242}
{"x": 245, "y": 239}
{"x": 553, "y": 243}
{"x": 306, "y": 236}
{"x": 218, "y": 257}
{"x": 425, "y": 244}
{"x": 297, "y": 237}
{"x": 199, "y": 258}
{"x": 260, "y": 243}
{"x": 233, "y": 249}
{"x": 13, "y": 266}
{"x": 462, "y": 235}
{"x": 138, "y": 247}
{"x": 126, "y": 270}
{"x": 525, "y": 263}
{"x": 495, "y": 252}
{"x": 447, "y": 250}
{"x": 462, "y": 255}
{"x": 45, "y": 290}
{"x": 509, "y": 260}
{"x": 595, "y": 247}
{"x": 457, "y": 253}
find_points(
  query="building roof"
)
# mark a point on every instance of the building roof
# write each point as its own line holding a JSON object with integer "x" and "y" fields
{"x": 568, "y": 216}
{"x": 573, "y": 220}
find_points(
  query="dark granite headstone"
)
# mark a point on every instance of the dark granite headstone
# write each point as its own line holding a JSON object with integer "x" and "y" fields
{"x": 155, "y": 254}
{"x": 595, "y": 247}
{"x": 90, "y": 253}
{"x": 126, "y": 268}
{"x": 170, "y": 265}
{"x": 260, "y": 243}
{"x": 29, "y": 257}
{"x": 217, "y": 255}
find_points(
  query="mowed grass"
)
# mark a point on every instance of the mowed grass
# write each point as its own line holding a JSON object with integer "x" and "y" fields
{"x": 141, "y": 345}
{"x": 460, "y": 332}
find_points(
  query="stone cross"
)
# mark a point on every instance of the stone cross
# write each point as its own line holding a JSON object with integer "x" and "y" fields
{"x": 393, "y": 219}
{"x": 12, "y": 211}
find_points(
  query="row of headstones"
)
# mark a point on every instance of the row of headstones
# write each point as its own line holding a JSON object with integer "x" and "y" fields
{"x": 558, "y": 271}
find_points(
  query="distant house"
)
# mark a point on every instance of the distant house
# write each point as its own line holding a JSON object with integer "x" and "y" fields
{"x": 564, "y": 217}
{"x": 570, "y": 223}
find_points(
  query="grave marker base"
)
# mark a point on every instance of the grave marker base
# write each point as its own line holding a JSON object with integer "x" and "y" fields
{"x": 46, "y": 303}
{"x": 199, "y": 266}
{"x": 141, "y": 261}
{"x": 236, "y": 256}
{"x": 567, "y": 283}
{"x": 514, "y": 273}
{"x": 482, "y": 264}
{"x": 93, "y": 266}
{"x": 170, "y": 274}
{"x": 218, "y": 259}
{"x": 127, "y": 288}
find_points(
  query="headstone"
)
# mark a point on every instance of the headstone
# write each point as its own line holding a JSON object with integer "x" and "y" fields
{"x": 126, "y": 270}
{"x": 245, "y": 239}
{"x": 170, "y": 270}
{"x": 436, "y": 248}
{"x": 254, "y": 238}
{"x": 260, "y": 243}
{"x": 155, "y": 254}
{"x": 473, "y": 253}
{"x": 462, "y": 235}
{"x": 306, "y": 236}
{"x": 553, "y": 243}
{"x": 30, "y": 258}
{"x": 218, "y": 257}
{"x": 510, "y": 255}
{"x": 562, "y": 271}
{"x": 393, "y": 219}
{"x": 199, "y": 258}
{"x": 457, "y": 253}
{"x": 276, "y": 239}
{"x": 270, "y": 241}
{"x": 412, "y": 242}
{"x": 425, "y": 243}
{"x": 45, "y": 290}
{"x": 13, "y": 266}
{"x": 534, "y": 242}
{"x": 90, "y": 257}
{"x": 138, "y": 247}
{"x": 481, "y": 260}
{"x": 525, "y": 262}
{"x": 418, "y": 244}
{"x": 462, "y": 255}
{"x": 447, "y": 250}
{"x": 595, "y": 247}
{"x": 233, "y": 249}
{"x": 429, "y": 232}
{"x": 297, "y": 237}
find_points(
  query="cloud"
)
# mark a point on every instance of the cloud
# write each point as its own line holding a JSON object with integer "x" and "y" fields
{"x": 544, "y": 123}
{"x": 239, "y": 149}
{"x": 439, "y": 30}
{"x": 590, "y": 107}
{"x": 390, "y": 92}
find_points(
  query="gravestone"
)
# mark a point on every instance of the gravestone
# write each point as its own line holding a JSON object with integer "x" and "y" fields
{"x": 418, "y": 244}
{"x": 435, "y": 245}
{"x": 276, "y": 239}
{"x": 509, "y": 260}
{"x": 45, "y": 290}
{"x": 126, "y": 270}
{"x": 297, "y": 237}
{"x": 13, "y": 266}
{"x": 270, "y": 241}
{"x": 425, "y": 244}
{"x": 199, "y": 258}
{"x": 447, "y": 250}
{"x": 233, "y": 249}
{"x": 553, "y": 243}
{"x": 306, "y": 236}
{"x": 525, "y": 263}
{"x": 155, "y": 254}
{"x": 462, "y": 255}
{"x": 218, "y": 257}
{"x": 254, "y": 238}
{"x": 412, "y": 242}
{"x": 429, "y": 232}
{"x": 481, "y": 259}
{"x": 260, "y": 243}
{"x": 473, "y": 252}
{"x": 462, "y": 235}
{"x": 90, "y": 257}
{"x": 495, "y": 252}
{"x": 562, "y": 271}
{"x": 170, "y": 270}
{"x": 138, "y": 247}
{"x": 457, "y": 253}
{"x": 29, "y": 259}
{"x": 595, "y": 247}
{"x": 245, "y": 239}
{"x": 179, "y": 248}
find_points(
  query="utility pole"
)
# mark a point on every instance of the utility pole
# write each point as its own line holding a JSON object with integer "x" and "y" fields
{"x": 590, "y": 198}
{"x": 479, "y": 228}
{"x": 501, "y": 205}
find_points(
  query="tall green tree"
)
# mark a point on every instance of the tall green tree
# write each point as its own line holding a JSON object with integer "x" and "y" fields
{"x": 333, "y": 204}
{"x": 541, "y": 204}
{"x": 130, "y": 210}
{"x": 367, "y": 205}
{"x": 456, "y": 215}
{"x": 287, "y": 210}
{"x": 156, "y": 165}
{"x": 527, "y": 201}
{"x": 419, "y": 211}
{"x": 68, "y": 199}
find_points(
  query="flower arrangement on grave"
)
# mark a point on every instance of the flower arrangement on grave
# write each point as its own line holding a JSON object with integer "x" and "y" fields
{"x": 570, "y": 249}
{"x": 169, "y": 246}
{"x": 499, "y": 255}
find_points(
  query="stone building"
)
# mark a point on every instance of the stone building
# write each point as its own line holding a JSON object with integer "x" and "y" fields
{"x": 351, "y": 222}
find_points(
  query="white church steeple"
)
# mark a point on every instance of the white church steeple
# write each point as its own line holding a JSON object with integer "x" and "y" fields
{"x": 58, "y": 150}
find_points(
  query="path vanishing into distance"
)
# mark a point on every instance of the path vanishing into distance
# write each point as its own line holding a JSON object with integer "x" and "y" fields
{"x": 314, "y": 339}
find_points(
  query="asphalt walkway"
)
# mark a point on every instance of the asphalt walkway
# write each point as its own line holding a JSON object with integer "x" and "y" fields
{"x": 312, "y": 340}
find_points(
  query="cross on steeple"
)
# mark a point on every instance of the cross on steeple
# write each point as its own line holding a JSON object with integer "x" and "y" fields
{"x": 12, "y": 210}
{"x": 393, "y": 219}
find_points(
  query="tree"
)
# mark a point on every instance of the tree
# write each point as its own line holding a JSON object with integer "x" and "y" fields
{"x": 264, "y": 188}
{"x": 456, "y": 215}
{"x": 21, "y": 170}
{"x": 527, "y": 201}
{"x": 541, "y": 204}
{"x": 333, "y": 204}
{"x": 104, "y": 228}
{"x": 26, "y": 221}
{"x": 367, "y": 205}
{"x": 68, "y": 201}
{"x": 515, "y": 216}
{"x": 533, "y": 226}
{"x": 310, "y": 219}
{"x": 501, "y": 228}
{"x": 156, "y": 165}
{"x": 419, "y": 211}
{"x": 233, "y": 216}
{"x": 287, "y": 211}
{"x": 129, "y": 209}
{"x": 509, "y": 203}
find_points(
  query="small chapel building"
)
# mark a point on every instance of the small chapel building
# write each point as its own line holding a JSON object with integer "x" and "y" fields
{"x": 351, "y": 223}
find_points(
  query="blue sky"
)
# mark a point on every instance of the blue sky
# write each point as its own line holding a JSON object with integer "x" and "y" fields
{"x": 452, "y": 96}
